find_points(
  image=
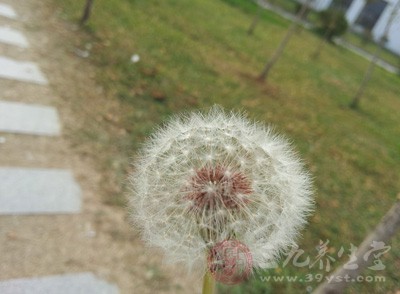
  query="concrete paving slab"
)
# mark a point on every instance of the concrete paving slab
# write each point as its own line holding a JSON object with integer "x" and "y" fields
{"x": 21, "y": 71}
{"x": 80, "y": 283}
{"x": 13, "y": 37}
{"x": 38, "y": 191}
{"x": 7, "y": 11}
{"x": 30, "y": 119}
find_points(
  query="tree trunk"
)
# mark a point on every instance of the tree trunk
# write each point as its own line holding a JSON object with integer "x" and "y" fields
{"x": 320, "y": 45}
{"x": 86, "y": 12}
{"x": 254, "y": 23}
{"x": 368, "y": 74}
{"x": 342, "y": 277}
{"x": 277, "y": 54}
{"x": 326, "y": 37}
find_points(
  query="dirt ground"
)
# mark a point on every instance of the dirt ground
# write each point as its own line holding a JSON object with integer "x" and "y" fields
{"x": 99, "y": 239}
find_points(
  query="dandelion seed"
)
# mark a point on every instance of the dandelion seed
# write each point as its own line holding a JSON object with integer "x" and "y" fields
{"x": 135, "y": 58}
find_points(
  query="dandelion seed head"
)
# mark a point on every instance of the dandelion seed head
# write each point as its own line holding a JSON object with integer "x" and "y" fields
{"x": 205, "y": 178}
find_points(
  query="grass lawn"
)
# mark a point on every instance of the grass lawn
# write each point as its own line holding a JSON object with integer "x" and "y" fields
{"x": 196, "y": 53}
{"x": 371, "y": 47}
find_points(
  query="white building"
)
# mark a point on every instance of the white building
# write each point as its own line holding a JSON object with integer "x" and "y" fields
{"x": 372, "y": 16}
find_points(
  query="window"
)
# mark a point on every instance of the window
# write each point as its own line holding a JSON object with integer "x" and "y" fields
{"x": 371, "y": 13}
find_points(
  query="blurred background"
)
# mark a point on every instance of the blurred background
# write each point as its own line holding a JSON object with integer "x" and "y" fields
{"x": 325, "y": 73}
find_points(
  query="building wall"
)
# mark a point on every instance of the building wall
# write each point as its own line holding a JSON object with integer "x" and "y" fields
{"x": 319, "y": 5}
{"x": 393, "y": 43}
{"x": 353, "y": 12}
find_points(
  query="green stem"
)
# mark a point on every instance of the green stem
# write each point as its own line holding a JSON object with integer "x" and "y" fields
{"x": 208, "y": 283}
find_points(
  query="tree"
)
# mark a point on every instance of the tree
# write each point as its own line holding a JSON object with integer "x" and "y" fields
{"x": 332, "y": 23}
{"x": 382, "y": 233}
{"x": 356, "y": 100}
{"x": 277, "y": 54}
{"x": 86, "y": 12}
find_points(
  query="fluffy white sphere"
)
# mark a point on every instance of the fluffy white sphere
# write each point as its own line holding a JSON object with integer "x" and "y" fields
{"x": 204, "y": 178}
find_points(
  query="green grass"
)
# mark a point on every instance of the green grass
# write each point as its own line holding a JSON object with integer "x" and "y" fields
{"x": 197, "y": 53}
{"x": 371, "y": 47}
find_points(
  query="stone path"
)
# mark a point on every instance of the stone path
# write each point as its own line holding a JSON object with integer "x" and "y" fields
{"x": 18, "y": 117}
{"x": 38, "y": 191}
{"x": 23, "y": 71}
{"x": 83, "y": 283}
{"x": 13, "y": 37}
{"x": 35, "y": 191}
{"x": 7, "y": 11}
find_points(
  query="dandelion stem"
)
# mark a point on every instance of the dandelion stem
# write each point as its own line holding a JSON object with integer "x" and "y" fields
{"x": 208, "y": 283}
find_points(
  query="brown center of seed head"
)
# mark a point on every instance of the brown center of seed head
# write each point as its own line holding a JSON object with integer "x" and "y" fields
{"x": 216, "y": 187}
